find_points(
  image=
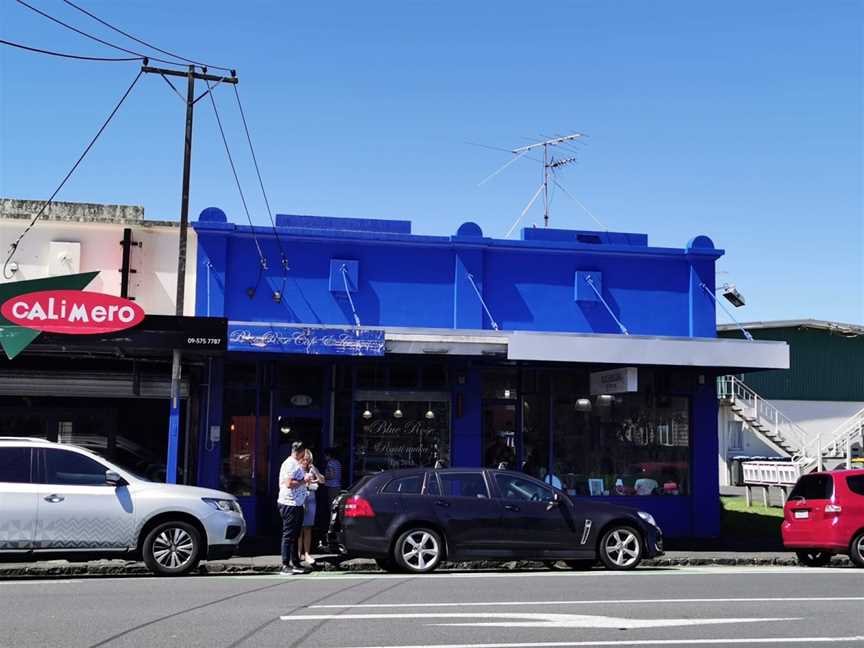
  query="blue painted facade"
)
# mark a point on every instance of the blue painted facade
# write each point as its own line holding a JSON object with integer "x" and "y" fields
{"x": 398, "y": 280}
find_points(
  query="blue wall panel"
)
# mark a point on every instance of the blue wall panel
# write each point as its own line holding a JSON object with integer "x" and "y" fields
{"x": 421, "y": 281}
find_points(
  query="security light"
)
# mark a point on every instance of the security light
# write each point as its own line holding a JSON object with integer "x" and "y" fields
{"x": 730, "y": 292}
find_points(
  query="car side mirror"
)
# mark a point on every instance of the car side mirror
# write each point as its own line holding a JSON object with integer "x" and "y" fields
{"x": 114, "y": 479}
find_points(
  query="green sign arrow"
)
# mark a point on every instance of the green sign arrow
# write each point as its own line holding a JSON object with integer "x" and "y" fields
{"x": 14, "y": 339}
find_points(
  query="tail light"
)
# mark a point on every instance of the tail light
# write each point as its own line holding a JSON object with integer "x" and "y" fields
{"x": 357, "y": 507}
{"x": 833, "y": 508}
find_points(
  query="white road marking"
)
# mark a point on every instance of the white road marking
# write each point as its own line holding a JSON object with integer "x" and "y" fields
{"x": 643, "y": 642}
{"x": 792, "y": 599}
{"x": 37, "y": 582}
{"x": 532, "y": 620}
{"x": 644, "y": 573}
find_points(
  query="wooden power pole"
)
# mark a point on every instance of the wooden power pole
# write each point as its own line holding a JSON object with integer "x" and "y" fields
{"x": 191, "y": 76}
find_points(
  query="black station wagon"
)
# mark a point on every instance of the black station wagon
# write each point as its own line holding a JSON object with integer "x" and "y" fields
{"x": 411, "y": 520}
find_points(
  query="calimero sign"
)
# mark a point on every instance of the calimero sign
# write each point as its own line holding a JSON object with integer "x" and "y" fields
{"x": 59, "y": 305}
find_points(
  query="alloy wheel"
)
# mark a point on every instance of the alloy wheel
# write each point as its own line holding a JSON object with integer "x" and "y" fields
{"x": 622, "y": 547}
{"x": 173, "y": 548}
{"x": 420, "y": 549}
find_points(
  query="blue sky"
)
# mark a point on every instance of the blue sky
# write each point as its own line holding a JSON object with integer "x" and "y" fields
{"x": 739, "y": 120}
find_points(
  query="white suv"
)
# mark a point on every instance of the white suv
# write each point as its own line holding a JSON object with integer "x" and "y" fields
{"x": 65, "y": 501}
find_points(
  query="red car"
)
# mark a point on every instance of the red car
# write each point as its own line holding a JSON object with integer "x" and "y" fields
{"x": 825, "y": 516}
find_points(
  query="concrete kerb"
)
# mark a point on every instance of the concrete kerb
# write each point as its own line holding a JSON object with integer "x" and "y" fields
{"x": 271, "y": 564}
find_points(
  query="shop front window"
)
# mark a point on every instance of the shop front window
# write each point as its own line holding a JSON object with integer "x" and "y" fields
{"x": 245, "y": 431}
{"x": 499, "y": 435}
{"x": 634, "y": 443}
{"x": 394, "y": 433}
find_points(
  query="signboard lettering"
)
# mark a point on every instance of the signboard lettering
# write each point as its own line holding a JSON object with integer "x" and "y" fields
{"x": 309, "y": 341}
{"x": 614, "y": 381}
{"x": 72, "y": 312}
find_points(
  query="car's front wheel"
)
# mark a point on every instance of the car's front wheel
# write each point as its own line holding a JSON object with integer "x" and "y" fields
{"x": 418, "y": 550}
{"x": 172, "y": 549}
{"x": 814, "y": 557}
{"x": 621, "y": 548}
{"x": 856, "y": 550}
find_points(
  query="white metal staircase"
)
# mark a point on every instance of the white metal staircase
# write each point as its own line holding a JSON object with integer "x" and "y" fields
{"x": 785, "y": 436}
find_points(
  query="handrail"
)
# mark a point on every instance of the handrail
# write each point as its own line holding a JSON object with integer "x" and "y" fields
{"x": 844, "y": 433}
{"x": 764, "y": 411}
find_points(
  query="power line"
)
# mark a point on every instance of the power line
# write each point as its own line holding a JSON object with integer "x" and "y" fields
{"x": 261, "y": 182}
{"x": 14, "y": 247}
{"x": 94, "y": 38}
{"x": 70, "y": 56}
{"x": 261, "y": 256}
{"x": 138, "y": 40}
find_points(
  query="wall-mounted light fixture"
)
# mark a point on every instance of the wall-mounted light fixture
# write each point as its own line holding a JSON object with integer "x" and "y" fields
{"x": 731, "y": 294}
{"x": 429, "y": 413}
{"x": 397, "y": 413}
{"x": 583, "y": 405}
{"x": 366, "y": 413}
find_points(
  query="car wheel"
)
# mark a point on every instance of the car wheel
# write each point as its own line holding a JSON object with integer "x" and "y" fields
{"x": 813, "y": 558}
{"x": 621, "y": 548}
{"x": 856, "y": 550}
{"x": 580, "y": 565}
{"x": 172, "y": 549}
{"x": 418, "y": 551}
{"x": 388, "y": 565}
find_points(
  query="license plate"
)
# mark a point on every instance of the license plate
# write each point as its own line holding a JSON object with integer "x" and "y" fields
{"x": 802, "y": 515}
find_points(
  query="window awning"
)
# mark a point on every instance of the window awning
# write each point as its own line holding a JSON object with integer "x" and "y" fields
{"x": 590, "y": 348}
{"x": 648, "y": 350}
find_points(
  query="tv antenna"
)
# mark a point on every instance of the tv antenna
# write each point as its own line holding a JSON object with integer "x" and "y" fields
{"x": 550, "y": 165}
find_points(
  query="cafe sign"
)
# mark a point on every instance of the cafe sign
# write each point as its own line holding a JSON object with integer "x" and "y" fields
{"x": 614, "y": 381}
{"x": 59, "y": 305}
{"x": 305, "y": 340}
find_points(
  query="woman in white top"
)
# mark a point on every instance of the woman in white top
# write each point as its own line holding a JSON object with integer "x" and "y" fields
{"x": 309, "y": 515}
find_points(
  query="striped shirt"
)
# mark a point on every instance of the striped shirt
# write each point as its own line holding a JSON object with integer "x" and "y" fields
{"x": 333, "y": 472}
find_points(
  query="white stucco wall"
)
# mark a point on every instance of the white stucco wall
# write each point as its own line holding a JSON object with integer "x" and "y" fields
{"x": 153, "y": 285}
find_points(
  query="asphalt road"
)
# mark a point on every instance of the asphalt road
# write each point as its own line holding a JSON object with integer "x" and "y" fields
{"x": 720, "y": 606}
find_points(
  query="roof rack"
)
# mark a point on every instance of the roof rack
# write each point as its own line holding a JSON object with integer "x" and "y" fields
{"x": 28, "y": 439}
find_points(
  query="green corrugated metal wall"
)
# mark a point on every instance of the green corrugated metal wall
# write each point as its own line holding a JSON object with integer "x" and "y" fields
{"x": 823, "y": 366}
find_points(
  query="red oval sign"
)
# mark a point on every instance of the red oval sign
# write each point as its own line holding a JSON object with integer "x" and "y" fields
{"x": 73, "y": 312}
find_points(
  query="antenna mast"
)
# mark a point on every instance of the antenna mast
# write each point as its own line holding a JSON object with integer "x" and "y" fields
{"x": 549, "y": 165}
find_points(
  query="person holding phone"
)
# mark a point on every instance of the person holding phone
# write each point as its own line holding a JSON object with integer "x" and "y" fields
{"x": 292, "y": 496}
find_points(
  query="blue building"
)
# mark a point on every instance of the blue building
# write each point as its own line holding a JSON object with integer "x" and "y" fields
{"x": 587, "y": 359}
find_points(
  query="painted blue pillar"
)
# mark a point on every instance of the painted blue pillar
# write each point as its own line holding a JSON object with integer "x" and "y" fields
{"x": 467, "y": 450}
{"x": 701, "y": 256}
{"x": 467, "y": 308}
{"x": 173, "y": 440}
{"x": 209, "y": 438}
{"x": 704, "y": 473}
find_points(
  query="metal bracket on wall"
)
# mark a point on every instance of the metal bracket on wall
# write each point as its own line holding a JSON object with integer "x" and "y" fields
{"x": 482, "y": 301}
{"x": 125, "y": 265}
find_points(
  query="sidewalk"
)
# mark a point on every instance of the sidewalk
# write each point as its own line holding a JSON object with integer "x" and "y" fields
{"x": 271, "y": 564}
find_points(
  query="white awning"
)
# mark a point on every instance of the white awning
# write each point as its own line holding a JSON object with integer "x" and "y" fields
{"x": 648, "y": 350}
